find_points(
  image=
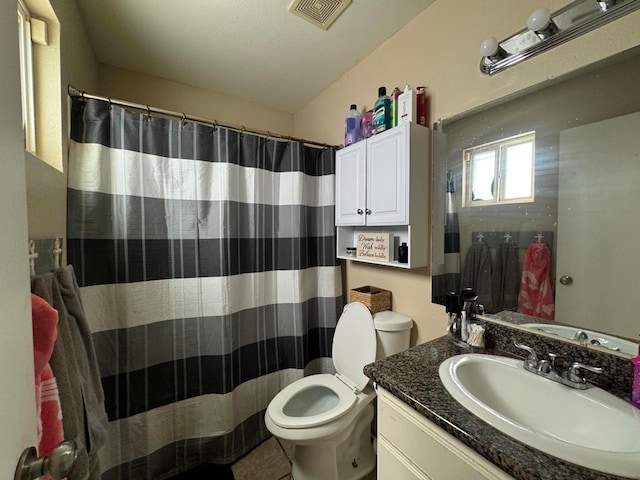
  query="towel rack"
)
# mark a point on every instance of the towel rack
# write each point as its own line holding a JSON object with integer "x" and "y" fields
{"x": 44, "y": 255}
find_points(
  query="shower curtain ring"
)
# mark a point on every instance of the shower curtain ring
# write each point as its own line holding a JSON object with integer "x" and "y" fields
{"x": 242, "y": 131}
{"x": 110, "y": 104}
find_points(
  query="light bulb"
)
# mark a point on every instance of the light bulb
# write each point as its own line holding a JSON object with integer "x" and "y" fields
{"x": 489, "y": 47}
{"x": 539, "y": 19}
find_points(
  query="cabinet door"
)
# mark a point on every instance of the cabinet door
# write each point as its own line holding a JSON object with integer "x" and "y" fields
{"x": 387, "y": 178}
{"x": 350, "y": 185}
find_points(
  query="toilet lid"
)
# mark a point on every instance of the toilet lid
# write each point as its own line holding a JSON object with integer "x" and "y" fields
{"x": 354, "y": 343}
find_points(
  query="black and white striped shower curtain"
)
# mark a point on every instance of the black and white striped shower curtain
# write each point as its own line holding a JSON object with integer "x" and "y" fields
{"x": 207, "y": 266}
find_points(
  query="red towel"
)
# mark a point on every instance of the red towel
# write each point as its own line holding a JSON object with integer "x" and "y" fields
{"x": 45, "y": 320}
{"x": 536, "y": 295}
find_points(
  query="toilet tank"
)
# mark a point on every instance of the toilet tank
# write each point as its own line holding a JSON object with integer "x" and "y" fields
{"x": 393, "y": 332}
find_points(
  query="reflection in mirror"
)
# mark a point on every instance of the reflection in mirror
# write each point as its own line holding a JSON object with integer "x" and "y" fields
{"x": 566, "y": 252}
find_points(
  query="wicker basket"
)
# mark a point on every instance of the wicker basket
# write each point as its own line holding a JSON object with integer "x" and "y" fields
{"x": 374, "y": 298}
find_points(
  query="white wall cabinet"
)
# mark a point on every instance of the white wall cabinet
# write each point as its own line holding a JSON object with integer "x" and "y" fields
{"x": 410, "y": 447}
{"x": 382, "y": 185}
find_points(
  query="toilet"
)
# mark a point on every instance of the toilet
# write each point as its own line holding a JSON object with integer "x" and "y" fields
{"x": 328, "y": 417}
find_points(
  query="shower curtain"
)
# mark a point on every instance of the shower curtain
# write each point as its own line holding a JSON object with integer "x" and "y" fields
{"x": 207, "y": 266}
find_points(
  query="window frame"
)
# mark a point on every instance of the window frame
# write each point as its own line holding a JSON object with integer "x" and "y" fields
{"x": 500, "y": 147}
{"x": 27, "y": 77}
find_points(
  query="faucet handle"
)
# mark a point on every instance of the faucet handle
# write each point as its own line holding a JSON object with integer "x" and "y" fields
{"x": 532, "y": 358}
{"x": 573, "y": 371}
{"x": 552, "y": 359}
{"x": 581, "y": 336}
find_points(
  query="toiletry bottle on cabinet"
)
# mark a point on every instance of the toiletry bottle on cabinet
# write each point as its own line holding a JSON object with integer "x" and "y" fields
{"x": 382, "y": 111}
{"x": 352, "y": 124}
{"x": 403, "y": 253}
{"x": 394, "y": 106}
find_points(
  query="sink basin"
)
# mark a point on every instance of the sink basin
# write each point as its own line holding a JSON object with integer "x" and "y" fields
{"x": 588, "y": 427}
{"x": 604, "y": 340}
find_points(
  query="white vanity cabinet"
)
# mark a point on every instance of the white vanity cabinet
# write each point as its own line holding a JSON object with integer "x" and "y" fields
{"x": 410, "y": 447}
{"x": 382, "y": 185}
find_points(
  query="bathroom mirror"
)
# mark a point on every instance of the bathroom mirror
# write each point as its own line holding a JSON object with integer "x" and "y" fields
{"x": 583, "y": 134}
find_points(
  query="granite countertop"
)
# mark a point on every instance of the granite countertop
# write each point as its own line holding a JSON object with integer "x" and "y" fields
{"x": 413, "y": 377}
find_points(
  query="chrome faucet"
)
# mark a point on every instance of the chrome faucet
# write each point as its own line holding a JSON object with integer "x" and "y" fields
{"x": 547, "y": 368}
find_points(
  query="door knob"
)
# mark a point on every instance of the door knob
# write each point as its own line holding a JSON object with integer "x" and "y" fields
{"x": 566, "y": 280}
{"x": 58, "y": 465}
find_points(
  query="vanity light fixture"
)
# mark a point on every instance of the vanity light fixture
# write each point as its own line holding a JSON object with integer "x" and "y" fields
{"x": 547, "y": 30}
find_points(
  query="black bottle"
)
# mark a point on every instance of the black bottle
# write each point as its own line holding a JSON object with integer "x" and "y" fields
{"x": 403, "y": 253}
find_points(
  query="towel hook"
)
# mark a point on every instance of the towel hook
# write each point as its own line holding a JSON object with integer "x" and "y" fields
{"x": 480, "y": 236}
{"x": 56, "y": 253}
{"x": 539, "y": 236}
{"x": 507, "y": 236}
{"x": 32, "y": 257}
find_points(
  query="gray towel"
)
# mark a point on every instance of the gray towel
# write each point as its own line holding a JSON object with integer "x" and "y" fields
{"x": 506, "y": 278}
{"x": 74, "y": 365}
{"x": 477, "y": 273}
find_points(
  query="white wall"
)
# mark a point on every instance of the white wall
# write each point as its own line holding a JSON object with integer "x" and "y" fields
{"x": 17, "y": 397}
{"x": 46, "y": 186}
{"x": 439, "y": 49}
{"x": 177, "y": 97}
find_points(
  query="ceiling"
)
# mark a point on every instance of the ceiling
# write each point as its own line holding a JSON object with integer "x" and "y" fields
{"x": 255, "y": 50}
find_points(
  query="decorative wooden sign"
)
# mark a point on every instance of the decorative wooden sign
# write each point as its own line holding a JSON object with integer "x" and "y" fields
{"x": 374, "y": 246}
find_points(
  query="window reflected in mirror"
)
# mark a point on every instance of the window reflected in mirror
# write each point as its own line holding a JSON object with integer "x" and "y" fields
{"x": 500, "y": 172}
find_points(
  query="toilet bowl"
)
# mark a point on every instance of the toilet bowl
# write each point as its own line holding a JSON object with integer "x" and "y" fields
{"x": 328, "y": 417}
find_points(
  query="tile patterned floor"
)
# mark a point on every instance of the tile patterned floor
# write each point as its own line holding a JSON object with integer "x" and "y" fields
{"x": 271, "y": 460}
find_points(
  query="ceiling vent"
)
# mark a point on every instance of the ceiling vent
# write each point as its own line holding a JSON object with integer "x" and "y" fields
{"x": 321, "y": 13}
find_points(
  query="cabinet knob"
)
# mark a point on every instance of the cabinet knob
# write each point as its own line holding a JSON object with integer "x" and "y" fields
{"x": 359, "y": 211}
{"x": 367, "y": 211}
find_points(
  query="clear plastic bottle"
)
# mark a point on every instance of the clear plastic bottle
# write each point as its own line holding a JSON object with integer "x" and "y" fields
{"x": 382, "y": 111}
{"x": 352, "y": 124}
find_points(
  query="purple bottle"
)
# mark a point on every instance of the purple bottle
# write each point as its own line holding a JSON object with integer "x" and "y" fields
{"x": 352, "y": 126}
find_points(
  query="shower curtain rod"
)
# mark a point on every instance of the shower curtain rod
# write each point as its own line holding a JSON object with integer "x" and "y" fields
{"x": 74, "y": 92}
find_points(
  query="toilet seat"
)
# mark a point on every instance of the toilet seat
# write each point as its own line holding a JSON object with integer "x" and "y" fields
{"x": 319, "y": 399}
{"x": 334, "y": 399}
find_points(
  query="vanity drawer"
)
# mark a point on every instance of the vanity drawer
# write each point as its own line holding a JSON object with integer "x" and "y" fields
{"x": 426, "y": 446}
{"x": 393, "y": 465}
